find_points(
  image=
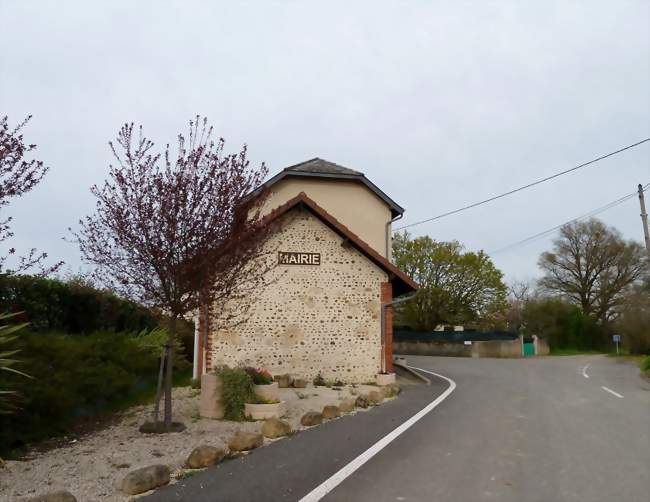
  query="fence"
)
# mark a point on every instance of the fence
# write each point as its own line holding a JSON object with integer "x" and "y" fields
{"x": 464, "y": 344}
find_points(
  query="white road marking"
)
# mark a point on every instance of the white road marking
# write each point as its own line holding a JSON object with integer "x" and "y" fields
{"x": 584, "y": 371}
{"x": 611, "y": 392}
{"x": 338, "y": 477}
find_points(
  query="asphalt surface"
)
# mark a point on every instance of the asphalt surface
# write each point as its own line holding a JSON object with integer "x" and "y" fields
{"x": 512, "y": 430}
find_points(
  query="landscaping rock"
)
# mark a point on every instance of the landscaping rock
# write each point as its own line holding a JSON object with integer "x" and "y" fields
{"x": 145, "y": 479}
{"x": 347, "y": 405}
{"x": 300, "y": 383}
{"x": 204, "y": 456}
{"x": 330, "y": 412}
{"x": 275, "y": 428}
{"x": 57, "y": 496}
{"x": 375, "y": 397}
{"x": 284, "y": 381}
{"x": 311, "y": 418}
{"x": 244, "y": 441}
{"x": 391, "y": 390}
{"x": 362, "y": 402}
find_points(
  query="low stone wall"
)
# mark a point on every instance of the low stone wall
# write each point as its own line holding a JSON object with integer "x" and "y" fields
{"x": 497, "y": 348}
{"x": 541, "y": 347}
{"x": 432, "y": 349}
{"x": 492, "y": 348}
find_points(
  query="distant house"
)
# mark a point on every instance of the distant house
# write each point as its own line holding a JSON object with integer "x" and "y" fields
{"x": 331, "y": 272}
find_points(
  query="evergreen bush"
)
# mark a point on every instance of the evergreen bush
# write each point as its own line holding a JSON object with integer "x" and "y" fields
{"x": 70, "y": 307}
{"x": 237, "y": 387}
{"x": 78, "y": 377}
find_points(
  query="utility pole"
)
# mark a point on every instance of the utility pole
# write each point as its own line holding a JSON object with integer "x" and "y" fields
{"x": 644, "y": 219}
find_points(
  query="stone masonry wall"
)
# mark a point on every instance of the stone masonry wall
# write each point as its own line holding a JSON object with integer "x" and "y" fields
{"x": 312, "y": 319}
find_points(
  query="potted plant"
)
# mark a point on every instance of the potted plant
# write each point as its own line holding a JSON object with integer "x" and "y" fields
{"x": 262, "y": 409}
{"x": 263, "y": 385}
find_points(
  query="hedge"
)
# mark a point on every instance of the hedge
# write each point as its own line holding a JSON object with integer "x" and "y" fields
{"x": 76, "y": 377}
{"x": 70, "y": 307}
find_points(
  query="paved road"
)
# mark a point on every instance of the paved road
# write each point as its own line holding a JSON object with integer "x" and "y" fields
{"x": 512, "y": 430}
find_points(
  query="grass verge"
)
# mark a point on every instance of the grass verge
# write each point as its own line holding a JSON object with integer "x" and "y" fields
{"x": 575, "y": 352}
{"x": 644, "y": 364}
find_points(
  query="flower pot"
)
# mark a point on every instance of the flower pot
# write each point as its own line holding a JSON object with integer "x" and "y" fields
{"x": 268, "y": 392}
{"x": 264, "y": 411}
{"x": 211, "y": 394}
{"x": 384, "y": 379}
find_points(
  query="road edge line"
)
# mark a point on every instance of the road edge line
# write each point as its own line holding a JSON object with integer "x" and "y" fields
{"x": 611, "y": 391}
{"x": 342, "y": 474}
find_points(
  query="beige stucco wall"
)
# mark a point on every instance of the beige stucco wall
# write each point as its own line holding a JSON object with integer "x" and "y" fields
{"x": 313, "y": 318}
{"x": 353, "y": 204}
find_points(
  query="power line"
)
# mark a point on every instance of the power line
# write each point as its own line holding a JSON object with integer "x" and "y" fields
{"x": 505, "y": 194}
{"x": 594, "y": 212}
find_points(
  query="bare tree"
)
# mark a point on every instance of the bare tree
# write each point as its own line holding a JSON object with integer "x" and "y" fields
{"x": 519, "y": 292}
{"x": 593, "y": 266}
{"x": 17, "y": 177}
{"x": 175, "y": 230}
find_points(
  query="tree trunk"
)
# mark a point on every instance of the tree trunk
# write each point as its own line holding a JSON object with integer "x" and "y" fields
{"x": 169, "y": 372}
{"x": 156, "y": 409}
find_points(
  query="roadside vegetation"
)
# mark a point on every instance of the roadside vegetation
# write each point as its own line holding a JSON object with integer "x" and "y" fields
{"x": 78, "y": 372}
{"x": 645, "y": 366}
{"x": 456, "y": 286}
{"x": 595, "y": 284}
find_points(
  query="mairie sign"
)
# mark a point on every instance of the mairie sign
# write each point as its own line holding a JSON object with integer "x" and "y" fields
{"x": 295, "y": 258}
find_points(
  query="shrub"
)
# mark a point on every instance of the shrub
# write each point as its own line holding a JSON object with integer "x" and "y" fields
{"x": 563, "y": 325}
{"x": 8, "y": 362}
{"x": 237, "y": 387}
{"x": 319, "y": 381}
{"x": 77, "y": 377}
{"x": 645, "y": 366}
{"x": 71, "y": 307}
{"x": 634, "y": 322}
{"x": 260, "y": 376}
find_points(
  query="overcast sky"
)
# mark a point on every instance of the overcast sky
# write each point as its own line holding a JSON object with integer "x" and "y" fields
{"x": 440, "y": 104}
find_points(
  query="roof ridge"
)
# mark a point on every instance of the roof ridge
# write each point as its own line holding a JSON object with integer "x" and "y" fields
{"x": 340, "y": 228}
{"x": 319, "y": 165}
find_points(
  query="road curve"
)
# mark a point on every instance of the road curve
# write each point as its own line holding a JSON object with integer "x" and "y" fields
{"x": 513, "y": 430}
{"x": 520, "y": 430}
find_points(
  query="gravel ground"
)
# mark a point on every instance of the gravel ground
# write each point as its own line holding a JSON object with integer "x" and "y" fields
{"x": 92, "y": 467}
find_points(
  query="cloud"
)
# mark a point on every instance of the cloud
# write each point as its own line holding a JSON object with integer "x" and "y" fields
{"x": 440, "y": 104}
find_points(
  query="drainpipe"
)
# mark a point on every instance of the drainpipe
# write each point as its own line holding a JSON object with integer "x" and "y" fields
{"x": 384, "y": 306}
{"x": 388, "y": 236}
{"x": 195, "y": 362}
{"x": 205, "y": 338}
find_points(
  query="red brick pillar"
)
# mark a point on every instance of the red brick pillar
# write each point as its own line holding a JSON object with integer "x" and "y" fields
{"x": 387, "y": 296}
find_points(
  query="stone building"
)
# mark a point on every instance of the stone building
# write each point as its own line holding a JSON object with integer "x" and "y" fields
{"x": 331, "y": 279}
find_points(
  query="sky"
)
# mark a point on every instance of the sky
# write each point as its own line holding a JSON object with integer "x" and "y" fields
{"x": 440, "y": 104}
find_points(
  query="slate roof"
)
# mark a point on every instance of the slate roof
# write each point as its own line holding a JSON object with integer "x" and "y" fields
{"x": 320, "y": 168}
{"x": 317, "y": 165}
{"x": 401, "y": 282}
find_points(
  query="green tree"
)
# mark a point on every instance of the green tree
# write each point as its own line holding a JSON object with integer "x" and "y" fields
{"x": 563, "y": 324}
{"x": 457, "y": 286}
{"x": 634, "y": 322}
